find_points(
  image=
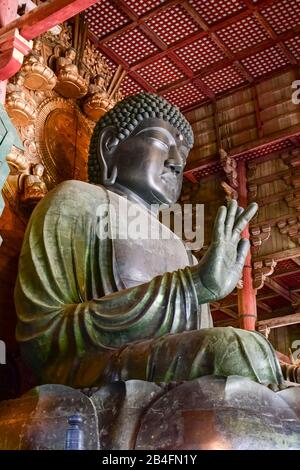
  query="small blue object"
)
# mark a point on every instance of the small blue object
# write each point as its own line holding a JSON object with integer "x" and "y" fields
{"x": 74, "y": 435}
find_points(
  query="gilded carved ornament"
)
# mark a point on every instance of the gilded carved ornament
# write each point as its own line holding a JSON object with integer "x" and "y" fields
{"x": 27, "y": 178}
{"x": 70, "y": 83}
{"x": 55, "y": 131}
{"x": 19, "y": 105}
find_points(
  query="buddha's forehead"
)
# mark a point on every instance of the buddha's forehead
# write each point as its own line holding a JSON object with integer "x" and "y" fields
{"x": 158, "y": 125}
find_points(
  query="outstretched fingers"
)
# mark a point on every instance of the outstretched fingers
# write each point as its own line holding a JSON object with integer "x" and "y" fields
{"x": 218, "y": 231}
{"x": 243, "y": 221}
{"x": 242, "y": 251}
{"x": 230, "y": 217}
{"x": 239, "y": 212}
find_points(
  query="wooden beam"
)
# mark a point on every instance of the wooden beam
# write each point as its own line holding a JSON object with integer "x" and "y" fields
{"x": 296, "y": 261}
{"x": 259, "y": 123}
{"x": 278, "y": 322}
{"x": 270, "y": 178}
{"x": 225, "y": 323}
{"x": 217, "y": 306}
{"x": 46, "y": 16}
{"x": 167, "y": 4}
{"x": 264, "y": 306}
{"x": 265, "y": 201}
{"x": 286, "y": 273}
{"x": 282, "y": 291}
{"x": 266, "y": 25}
{"x": 229, "y": 312}
{"x": 137, "y": 21}
{"x": 223, "y": 304}
{"x": 280, "y": 255}
{"x": 227, "y": 60}
{"x": 220, "y": 44}
{"x": 250, "y": 148}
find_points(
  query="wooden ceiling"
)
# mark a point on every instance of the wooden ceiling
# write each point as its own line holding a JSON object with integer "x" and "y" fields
{"x": 193, "y": 51}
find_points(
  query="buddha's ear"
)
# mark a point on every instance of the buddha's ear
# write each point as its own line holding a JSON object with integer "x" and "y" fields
{"x": 107, "y": 144}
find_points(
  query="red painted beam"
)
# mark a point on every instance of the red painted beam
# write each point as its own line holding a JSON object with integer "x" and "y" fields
{"x": 137, "y": 21}
{"x": 169, "y": 3}
{"x": 117, "y": 59}
{"x": 240, "y": 56}
{"x": 13, "y": 47}
{"x": 46, "y": 16}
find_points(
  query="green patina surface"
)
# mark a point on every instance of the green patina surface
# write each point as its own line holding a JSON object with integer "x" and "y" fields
{"x": 75, "y": 327}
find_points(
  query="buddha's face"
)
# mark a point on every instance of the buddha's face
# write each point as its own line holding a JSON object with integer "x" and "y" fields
{"x": 151, "y": 160}
{"x": 99, "y": 80}
{"x": 38, "y": 170}
{"x": 71, "y": 54}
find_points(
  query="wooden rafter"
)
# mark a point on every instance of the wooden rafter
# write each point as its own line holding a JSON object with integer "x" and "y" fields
{"x": 282, "y": 291}
{"x": 225, "y": 304}
{"x": 263, "y": 22}
{"x": 231, "y": 313}
{"x": 263, "y": 306}
{"x": 278, "y": 322}
{"x": 191, "y": 76}
{"x": 237, "y": 57}
{"x": 239, "y": 153}
{"x": 46, "y": 16}
{"x": 217, "y": 40}
{"x": 296, "y": 261}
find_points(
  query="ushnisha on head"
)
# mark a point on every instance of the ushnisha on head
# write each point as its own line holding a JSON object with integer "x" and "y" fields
{"x": 142, "y": 145}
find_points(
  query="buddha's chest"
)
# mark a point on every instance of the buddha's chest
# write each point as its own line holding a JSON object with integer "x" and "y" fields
{"x": 143, "y": 247}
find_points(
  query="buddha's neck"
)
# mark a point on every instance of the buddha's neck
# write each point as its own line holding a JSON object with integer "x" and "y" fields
{"x": 133, "y": 197}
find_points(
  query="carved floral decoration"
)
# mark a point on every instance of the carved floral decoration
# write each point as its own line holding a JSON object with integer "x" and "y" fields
{"x": 54, "y": 102}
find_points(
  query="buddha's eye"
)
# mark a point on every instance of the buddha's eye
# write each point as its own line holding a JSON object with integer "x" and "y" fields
{"x": 161, "y": 143}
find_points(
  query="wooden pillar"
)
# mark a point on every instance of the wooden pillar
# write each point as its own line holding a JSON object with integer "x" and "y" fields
{"x": 247, "y": 310}
{"x": 8, "y": 12}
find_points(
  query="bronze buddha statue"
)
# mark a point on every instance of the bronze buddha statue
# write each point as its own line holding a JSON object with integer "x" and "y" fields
{"x": 115, "y": 322}
{"x": 93, "y": 310}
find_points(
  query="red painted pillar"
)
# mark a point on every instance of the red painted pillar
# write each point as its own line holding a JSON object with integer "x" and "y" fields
{"x": 8, "y": 12}
{"x": 247, "y": 310}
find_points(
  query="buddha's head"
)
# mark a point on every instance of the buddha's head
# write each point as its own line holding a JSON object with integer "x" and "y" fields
{"x": 142, "y": 145}
{"x": 38, "y": 169}
{"x": 19, "y": 79}
{"x": 37, "y": 45}
{"x": 70, "y": 53}
{"x": 100, "y": 80}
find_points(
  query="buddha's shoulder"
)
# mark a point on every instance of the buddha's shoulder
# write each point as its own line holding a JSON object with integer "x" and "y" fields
{"x": 71, "y": 196}
{"x": 75, "y": 190}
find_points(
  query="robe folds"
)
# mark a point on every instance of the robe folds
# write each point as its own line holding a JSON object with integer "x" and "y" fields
{"x": 80, "y": 325}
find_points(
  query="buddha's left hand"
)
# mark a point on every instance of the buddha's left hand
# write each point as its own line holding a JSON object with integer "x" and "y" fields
{"x": 221, "y": 267}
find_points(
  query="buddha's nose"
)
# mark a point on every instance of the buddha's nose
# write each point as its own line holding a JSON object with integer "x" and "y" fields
{"x": 175, "y": 168}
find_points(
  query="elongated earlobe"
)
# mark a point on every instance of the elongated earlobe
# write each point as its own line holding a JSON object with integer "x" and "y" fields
{"x": 104, "y": 143}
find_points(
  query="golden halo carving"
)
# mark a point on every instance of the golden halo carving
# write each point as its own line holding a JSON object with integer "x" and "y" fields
{"x": 38, "y": 76}
{"x": 62, "y": 135}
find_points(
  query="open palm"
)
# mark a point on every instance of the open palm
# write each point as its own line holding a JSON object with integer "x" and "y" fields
{"x": 221, "y": 267}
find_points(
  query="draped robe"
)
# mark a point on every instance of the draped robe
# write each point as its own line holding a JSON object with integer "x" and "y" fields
{"x": 92, "y": 310}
